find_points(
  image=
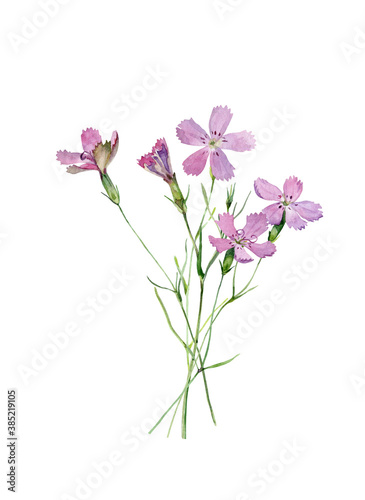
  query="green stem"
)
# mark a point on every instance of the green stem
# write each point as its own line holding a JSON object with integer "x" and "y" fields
{"x": 184, "y": 411}
{"x": 239, "y": 295}
{"x": 173, "y": 286}
{"x": 173, "y": 404}
{"x": 211, "y": 321}
{"x": 173, "y": 417}
{"x": 188, "y": 329}
{"x": 170, "y": 324}
{"x": 190, "y": 234}
{"x": 206, "y": 209}
{"x": 145, "y": 247}
{"x": 195, "y": 339}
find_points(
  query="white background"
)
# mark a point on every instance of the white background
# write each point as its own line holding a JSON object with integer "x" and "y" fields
{"x": 300, "y": 377}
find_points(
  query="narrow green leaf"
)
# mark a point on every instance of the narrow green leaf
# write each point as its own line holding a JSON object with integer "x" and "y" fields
{"x": 244, "y": 205}
{"x": 172, "y": 201}
{"x": 199, "y": 259}
{"x": 205, "y": 195}
{"x": 181, "y": 274}
{"x": 158, "y": 286}
{"x": 211, "y": 262}
{"x": 221, "y": 364}
{"x": 244, "y": 293}
{"x": 187, "y": 196}
{"x": 169, "y": 323}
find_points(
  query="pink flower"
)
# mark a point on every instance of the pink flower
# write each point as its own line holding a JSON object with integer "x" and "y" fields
{"x": 158, "y": 161}
{"x": 191, "y": 133}
{"x": 296, "y": 213}
{"x": 243, "y": 239}
{"x": 96, "y": 155}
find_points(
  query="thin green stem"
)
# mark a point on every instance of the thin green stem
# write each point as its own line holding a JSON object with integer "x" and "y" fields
{"x": 173, "y": 417}
{"x": 244, "y": 205}
{"x": 234, "y": 280}
{"x": 210, "y": 315}
{"x": 238, "y": 295}
{"x": 211, "y": 321}
{"x": 170, "y": 324}
{"x": 173, "y": 404}
{"x": 174, "y": 288}
{"x": 145, "y": 247}
{"x": 190, "y": 234}
{"x": 187, "y": 303}
{"x": 184, "y": 411}
{"x": 205, "y": 211}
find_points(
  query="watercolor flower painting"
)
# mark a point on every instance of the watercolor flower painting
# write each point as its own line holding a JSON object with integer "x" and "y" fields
{"x": 239, "y": 242}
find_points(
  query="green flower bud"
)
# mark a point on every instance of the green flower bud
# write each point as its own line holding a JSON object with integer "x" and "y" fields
{"x": 276, "y": 230}
{"x": 227, "y": 262}
{"x": 230, "y": 196}
{"x": 112, "y": 191}
{"x": 177, "y": 195}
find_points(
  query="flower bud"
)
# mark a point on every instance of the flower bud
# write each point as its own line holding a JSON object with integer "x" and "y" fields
{"x": 276, "y": 230}
{"x": 227, "y": 262}
{"x": 177, "y": 195}
{"x": 112, "y": 191}
{"x": 230, "y": 196}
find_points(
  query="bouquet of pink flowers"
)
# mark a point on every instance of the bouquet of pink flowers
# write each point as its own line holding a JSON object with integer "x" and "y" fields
{"x": 235, "y": 242}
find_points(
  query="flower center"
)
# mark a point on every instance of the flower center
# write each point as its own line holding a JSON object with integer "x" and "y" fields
{"x": 288, "y": 199}
{"x": 213, "y": 144}
{"x": 242, "y": 240}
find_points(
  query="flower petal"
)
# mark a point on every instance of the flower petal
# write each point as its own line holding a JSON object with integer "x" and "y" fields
{"x": 267, "y": 191}
{"x": 241, "y": 255}
{"x": 262, "y": 250}
{"x": 239, "y": 141}
{"x": 195, "y": 163}
{"x": 226, "y": 225}
{"x": 293, "y": 219}
{"x": 219, "y": 121}
{"x": 293, "y": 188}
{"x": 221, "y": 167}
{"x": 76, "y": 169}
{"x": 66, "y": 158}
{"x": 102, "y": 153}
{"x": 149, "y": 163}
{"x": 189, "y": 132}
{"x": 162, "y": 156}
{"x": 90, "y": 138}
{"x": 220, "y": 244}
{"x": 256, "y": 224}
{"x": 274, "y": 213}
{"x": 114, "y": 145}
{"x": 308, "y": 210}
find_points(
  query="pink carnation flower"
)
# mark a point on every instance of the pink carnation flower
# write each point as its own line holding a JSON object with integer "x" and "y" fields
{"x": 243, "y": 239}
{"x": 296, "y": 213}
{"x": 96, "y": 155}
{"x": 158, "y": 161}
{"x": 213, "y": 144}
